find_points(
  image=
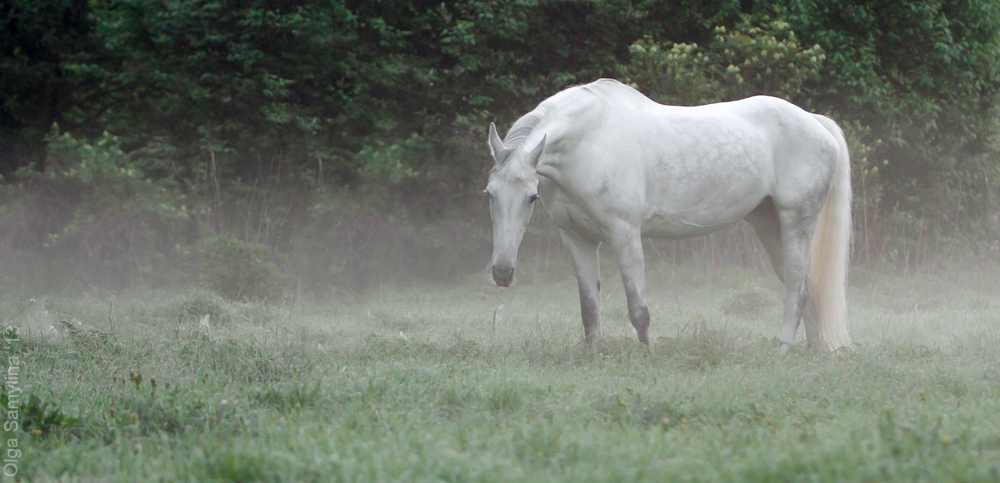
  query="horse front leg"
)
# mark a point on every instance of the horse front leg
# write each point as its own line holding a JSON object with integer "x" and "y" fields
{"x": 588, "y": 276}
{"x": 627, "y": 243}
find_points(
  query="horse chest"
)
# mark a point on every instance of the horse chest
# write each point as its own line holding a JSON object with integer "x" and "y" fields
{"x": 567, "y": 214}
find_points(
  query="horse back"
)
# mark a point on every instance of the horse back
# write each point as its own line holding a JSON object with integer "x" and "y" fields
{"x": 617, "y": 156}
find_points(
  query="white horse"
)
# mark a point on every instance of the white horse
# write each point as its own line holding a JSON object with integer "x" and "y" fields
{"x": 610, "y": 165}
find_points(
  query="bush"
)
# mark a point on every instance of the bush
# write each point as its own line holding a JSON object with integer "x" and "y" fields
{"x": 237, "y": 270}
{"x": 756, "y": 56}
{"x": 92, "y": 218}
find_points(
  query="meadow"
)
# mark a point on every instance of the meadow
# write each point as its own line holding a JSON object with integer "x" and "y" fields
{"x": 475, "y": 383}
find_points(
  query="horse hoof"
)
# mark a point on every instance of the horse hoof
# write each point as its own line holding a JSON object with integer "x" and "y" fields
{"x": 784, "y": 348}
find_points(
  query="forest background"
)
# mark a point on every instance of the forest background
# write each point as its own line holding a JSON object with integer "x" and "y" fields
{"x": 336, "y": 145}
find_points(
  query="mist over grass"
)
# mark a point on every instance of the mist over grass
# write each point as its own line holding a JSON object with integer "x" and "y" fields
{"x": 471, "y": 382}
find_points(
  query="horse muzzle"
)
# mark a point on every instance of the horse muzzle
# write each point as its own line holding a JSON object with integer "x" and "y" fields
{"x": 503, "y": 275}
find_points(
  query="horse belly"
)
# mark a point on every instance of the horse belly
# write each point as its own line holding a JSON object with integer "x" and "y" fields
{"x": 672, "y": 227}
{"x": 707, "y": 182}
{"x": 695, "y": 210}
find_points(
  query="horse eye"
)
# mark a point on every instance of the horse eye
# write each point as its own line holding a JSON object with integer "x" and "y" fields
{"x": 489, "y": 197}
{"x": 533, "y": 198}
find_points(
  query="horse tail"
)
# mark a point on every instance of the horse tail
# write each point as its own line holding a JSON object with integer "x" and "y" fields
{"x": 830, "y": 251}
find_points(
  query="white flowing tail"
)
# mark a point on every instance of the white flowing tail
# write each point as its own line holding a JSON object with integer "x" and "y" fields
{"x": 831, "y": 247}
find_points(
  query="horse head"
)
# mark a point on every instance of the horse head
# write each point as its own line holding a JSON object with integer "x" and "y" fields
{"x": 512, "y": 191}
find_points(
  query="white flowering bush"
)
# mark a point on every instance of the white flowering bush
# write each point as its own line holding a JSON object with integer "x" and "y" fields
{"x": 755, "y": 57}
{"x": 768, "y": 59}
{"x": 676, "y": 74}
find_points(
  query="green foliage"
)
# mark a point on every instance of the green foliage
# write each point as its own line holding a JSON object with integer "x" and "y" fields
{"x": 239, "y": 270}
{"x": 385, "y": 162}
{"x": 92, "y": 216}
{"x": 674, "y": 74}
{"x": 914, "y": 86}
{"x": 37, "y": 417}
{"x": 239, "y": 119}
{"x": 307, "y": 82}
{"x": 924, "y": 78}
{"x": 76, "y": 160}
{"x": 756, "y": 56}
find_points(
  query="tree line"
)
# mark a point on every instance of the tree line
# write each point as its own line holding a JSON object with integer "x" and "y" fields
{"x": 153, "y": 120}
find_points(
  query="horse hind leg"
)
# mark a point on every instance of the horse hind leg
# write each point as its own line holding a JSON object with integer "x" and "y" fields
{"x": 796, "y": 240}
{"x": 811, "y": 318}
{"x": 765, "y": 223}
{"x": 768, "y": 227}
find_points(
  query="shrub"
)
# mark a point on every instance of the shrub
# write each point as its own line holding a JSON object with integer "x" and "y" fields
{"x": 239, "y": 270}
{"x": 757, "y": 56}
{"x": 92, "y": 218}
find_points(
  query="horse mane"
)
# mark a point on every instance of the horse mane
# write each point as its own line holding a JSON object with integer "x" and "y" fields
{"x": 513, "y": 168}
{"x": 507, "y": 168}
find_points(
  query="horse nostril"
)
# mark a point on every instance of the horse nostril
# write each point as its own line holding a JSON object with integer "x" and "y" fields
{"x": 503, "y": 275}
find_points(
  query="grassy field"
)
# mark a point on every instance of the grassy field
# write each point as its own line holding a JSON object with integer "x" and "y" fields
{"x": 476, "y": 383}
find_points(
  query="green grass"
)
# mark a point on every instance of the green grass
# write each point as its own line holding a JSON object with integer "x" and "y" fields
{"x": 429, "y": 385}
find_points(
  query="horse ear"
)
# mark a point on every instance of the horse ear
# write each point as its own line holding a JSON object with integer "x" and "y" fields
{"x": 496, "y": 145}
{"x": 537, "y": 152}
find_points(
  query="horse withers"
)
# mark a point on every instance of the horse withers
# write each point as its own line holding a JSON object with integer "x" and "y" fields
{"x": 610, "y": 165}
